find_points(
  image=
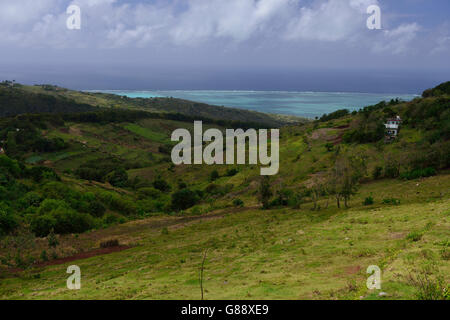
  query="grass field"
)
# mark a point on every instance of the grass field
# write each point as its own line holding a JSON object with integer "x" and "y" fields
{"x": 256, "y": 254}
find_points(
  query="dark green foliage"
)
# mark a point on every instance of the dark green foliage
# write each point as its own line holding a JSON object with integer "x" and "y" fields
{"x": 238, "y": 203}
{"x": 118, "y": 178}
{"x": 419, "y": 173}
{"x": 40, "y": 173}
{"x": 214, "y": 176}
{"x": 44, "y": 256}
{"x": 184, "y": 199}
{"x": 52, "y": 239}
{"x": 282, "y": 198}
{"x": 8, "y": 221}
{"x": 232, "y": 172}
{"x": 58, "y": 216}
{"x": 218, "y": 190}
{"x": 108, "y": 169}
{"x": 377, "y": 172}
{"x": 165, "y": 149}
{"x": 368, "y": 201}
{"x": 367, "y": 131}
{"x": 329, "y": 147}
{"x": 414, "y": 236}
{"x": 14, "y": 101}
{"x": 161, "y": 185}
{"x": 334, "y": 115}
{"x": 440, "y": 90}
{"x": 393, "y": 201}
{"x": 265, "y": 192}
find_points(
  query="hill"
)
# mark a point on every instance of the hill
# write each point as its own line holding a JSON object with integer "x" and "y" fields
{"x": 111, "y": 101}
{"x": 14, "y": 100}
{"x": 344, "y": 199}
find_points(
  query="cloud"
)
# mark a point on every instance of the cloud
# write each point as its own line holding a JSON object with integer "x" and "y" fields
{"x": 331, "y": 20}
{"x": 188, "y": 23}
{"x": 398, "y": 40}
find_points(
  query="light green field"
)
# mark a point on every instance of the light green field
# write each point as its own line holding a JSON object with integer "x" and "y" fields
{"x": 255, "y": 254}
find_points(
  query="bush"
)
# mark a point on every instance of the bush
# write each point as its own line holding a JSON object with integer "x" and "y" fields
{"x": 42, "y": 225}
{"x": 391, "y": 201}
{"x": 368, "y": 201}
{"x": 52, "y": 239}
{"x": 153, "y": 193}
{"x": 238, "y": 203}
{"x": 118, "y": 178}
{"x": 161, "y": 185}
{"x": 414, "y": 236}
{"x": 232, "y": 172}
{"x": 419, "y": 173}
{"x": 96, "y": 208}
{"x": 214, "y": 175}
{"x": 8, "y": 222}
{"x": 184, "y": 199}
{"x": 377, "y": 172}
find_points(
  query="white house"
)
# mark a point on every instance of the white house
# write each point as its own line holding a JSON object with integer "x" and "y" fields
{"x": 393, "y": 127}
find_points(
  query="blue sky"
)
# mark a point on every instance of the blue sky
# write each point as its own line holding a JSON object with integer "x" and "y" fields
{"x": 320, "y": 45}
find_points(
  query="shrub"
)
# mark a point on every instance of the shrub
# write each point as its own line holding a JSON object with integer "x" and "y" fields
{"x": 214, "y": 175}
{"x": 8, "y": 222}
{"x": 44, "y": 256}
{"x": 232, "y": 172}
{"x": 149, "y": 193}
{"x": 377, "y": 172}
{"x": 96, "y": 208}
{"x": 368, "y": 201}
{"x": 414, "y": 236}
{"x": 184, "y": 199}
{"x": 419, "y": 173}
{"x": 110, "y": 219}
{"x": 391, "y": 201}
{"x": 118, "y": 178}
{"x": 329, "y": 146}
{"x": 52, "y": 239}
{"x": 42, "y": 225}
{"x": 109, "y": 243}
{"x": 161, "y": 185}
{"x": 238, "y": 203}
{"x": 265, "y": 192}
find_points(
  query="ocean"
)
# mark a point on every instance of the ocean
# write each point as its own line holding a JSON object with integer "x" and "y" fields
{"x": 302, "y": 104}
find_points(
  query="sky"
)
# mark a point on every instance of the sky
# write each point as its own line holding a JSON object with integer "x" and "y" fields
{"x": 296, "y": 45}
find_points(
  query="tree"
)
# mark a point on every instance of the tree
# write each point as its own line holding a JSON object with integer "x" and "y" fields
{"x": 345, "y": 176}
{"x": 265, "y": 192}
{"x": 118, "y": 178}
{"x": 214, "y": 175}
{"x": 184, "y": 199}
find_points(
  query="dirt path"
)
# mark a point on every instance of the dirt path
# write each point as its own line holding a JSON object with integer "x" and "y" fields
{"x": 134, "y": 227}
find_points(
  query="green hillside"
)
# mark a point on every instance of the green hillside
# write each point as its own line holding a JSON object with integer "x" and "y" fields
{"x": 345, "y": 198}
{"x": 31, "y": 97}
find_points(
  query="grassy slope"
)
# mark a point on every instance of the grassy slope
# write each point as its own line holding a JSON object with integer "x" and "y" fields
{"x": 253, "y": 254}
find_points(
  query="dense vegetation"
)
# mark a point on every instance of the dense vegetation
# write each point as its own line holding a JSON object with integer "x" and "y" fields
{"x": 68, "y": 172}
{"x": 14, "y": 101}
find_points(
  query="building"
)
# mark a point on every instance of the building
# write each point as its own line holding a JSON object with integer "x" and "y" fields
{"x": 393, "y": 127}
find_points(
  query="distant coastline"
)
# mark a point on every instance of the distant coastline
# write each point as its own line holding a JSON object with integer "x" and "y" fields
{"x": 302, "y": 104}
